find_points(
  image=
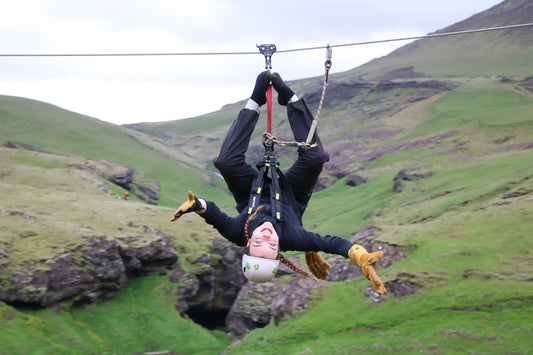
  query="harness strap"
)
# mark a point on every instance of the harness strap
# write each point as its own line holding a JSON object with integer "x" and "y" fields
{"x": 275, "y": 193}
{"x": 257, "y": 190}
{"x": 268, "y": 168}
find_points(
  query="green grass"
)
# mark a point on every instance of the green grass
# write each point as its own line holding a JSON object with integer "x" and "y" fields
{"x": 440, "y": 320}
{"x": 487, "y": 107}
{"x": 140, "y": 319}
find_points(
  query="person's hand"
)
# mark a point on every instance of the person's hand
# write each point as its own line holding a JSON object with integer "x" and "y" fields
{"x": 192, "y": 204}
{"x": 316, "y": 263}
{"x": 360, "y": 257}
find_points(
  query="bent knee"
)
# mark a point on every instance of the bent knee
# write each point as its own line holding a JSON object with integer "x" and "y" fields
{"x": 233, "y": 167}
{"x": 314, "y": 157}
{"x": 223, "y": 164}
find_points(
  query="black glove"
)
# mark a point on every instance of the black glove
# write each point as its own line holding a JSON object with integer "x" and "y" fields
{"x": 192, "y": 204}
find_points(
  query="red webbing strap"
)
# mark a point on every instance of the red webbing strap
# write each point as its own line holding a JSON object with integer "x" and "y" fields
{"x": 269, "y": 109}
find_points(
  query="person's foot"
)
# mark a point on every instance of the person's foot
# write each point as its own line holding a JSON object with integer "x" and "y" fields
{"x": 261, "y": 85}
{"x": 284, "y": 92}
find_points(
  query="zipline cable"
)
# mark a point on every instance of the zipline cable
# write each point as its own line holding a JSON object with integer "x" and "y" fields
{"x": 280, "y": 51}
{"x": 414, "y": 37}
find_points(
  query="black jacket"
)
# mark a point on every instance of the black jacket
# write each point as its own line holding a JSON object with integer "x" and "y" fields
{"x": 292, "y": 236}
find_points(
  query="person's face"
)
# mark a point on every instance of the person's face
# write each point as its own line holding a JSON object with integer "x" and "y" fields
{"x": 264, "y": 242}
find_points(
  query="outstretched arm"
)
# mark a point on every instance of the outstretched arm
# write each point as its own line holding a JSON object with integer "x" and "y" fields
{"x": 230, "y": 228}
{"x": 312, "y": 242}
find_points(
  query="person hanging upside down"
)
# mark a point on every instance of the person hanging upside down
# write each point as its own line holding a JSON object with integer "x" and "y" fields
{"x": 261, "y": 234}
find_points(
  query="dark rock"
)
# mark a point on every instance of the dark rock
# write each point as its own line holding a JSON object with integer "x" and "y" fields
{"x": 522, "y": 191}
{"x": 25, "y": 287}
{"x": 157, "y": 255}
{"x": 20, "y": 145}
{"x": 214, "y": 286}
{"x": 404, "y": 175}
{"x": 204, "y": 259}
{"x": 126, "y": 180}
{"x": 293, "y": 297}
{"x": 98, "y": 273}
{"x": 400, "y": 287}
{"x": 189, "y": 286}
{"x": 105, "y": 257}
{"x": 391, "y": 254}
{"x": 433, "y": 85}
{"x": 122, "y": 179}
{"x": 342, "y": 269}
{"x": 365, "y": 233}
{"x": 67, "y": 281}
{"x": 146, "y": 191}
{"x": 68, "y": 278}
{"x": 355, "y": 180}
{"x": 252, "y": 307}
{"x": 323, "y": 183}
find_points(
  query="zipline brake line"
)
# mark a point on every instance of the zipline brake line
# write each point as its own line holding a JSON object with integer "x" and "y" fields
{"x": 280, "y": 51}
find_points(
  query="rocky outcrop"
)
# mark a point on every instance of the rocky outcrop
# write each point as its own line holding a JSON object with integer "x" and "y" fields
{"x": 355, "y": 180}
{"x": 218, "y": 295}
{"x": 213, "y": 285}
{"x": 213, "y": 293}
{"x": 122, "y": 179}
{"x": 258, "y": 304}
{"x": 96, "y": 272}
{"x": 252, "y": 308}
{"x": 404, "y": 175}
{"x": 128, "y": 179}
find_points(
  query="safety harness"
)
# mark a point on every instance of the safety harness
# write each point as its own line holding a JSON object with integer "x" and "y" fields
{"x": 269, "y": 170}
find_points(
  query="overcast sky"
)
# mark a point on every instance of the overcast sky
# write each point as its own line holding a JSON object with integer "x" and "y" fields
{"x": 162, "y": 88}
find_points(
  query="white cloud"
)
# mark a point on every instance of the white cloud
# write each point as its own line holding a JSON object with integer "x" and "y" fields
{"x": 134, "y": 89}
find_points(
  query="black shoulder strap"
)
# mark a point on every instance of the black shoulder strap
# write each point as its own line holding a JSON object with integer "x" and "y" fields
{"x": 268, "y": 167}
{"x": 257, "y": 190}
{"x": 275, "y": 193}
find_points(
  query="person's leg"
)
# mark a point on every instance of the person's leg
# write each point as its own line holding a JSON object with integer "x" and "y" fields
{"x": 231, "y": 161}
{"x": 303, "y": 174}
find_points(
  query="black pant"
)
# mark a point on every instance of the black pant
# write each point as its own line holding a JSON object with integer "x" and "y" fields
{"x": 301, "y": 176}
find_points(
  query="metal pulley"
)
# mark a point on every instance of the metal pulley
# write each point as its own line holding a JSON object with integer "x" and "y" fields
{"x": 267, "y": 50}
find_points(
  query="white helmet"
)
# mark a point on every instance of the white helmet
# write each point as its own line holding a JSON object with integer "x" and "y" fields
{"x": 259, "y": 269}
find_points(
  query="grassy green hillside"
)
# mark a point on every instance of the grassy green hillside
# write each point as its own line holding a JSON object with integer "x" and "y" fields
{"x": 464, "y": 227}
{"x": 464, "y": 219}
{"x": 505, "y": 52}
{"x": 52, "y": 129}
